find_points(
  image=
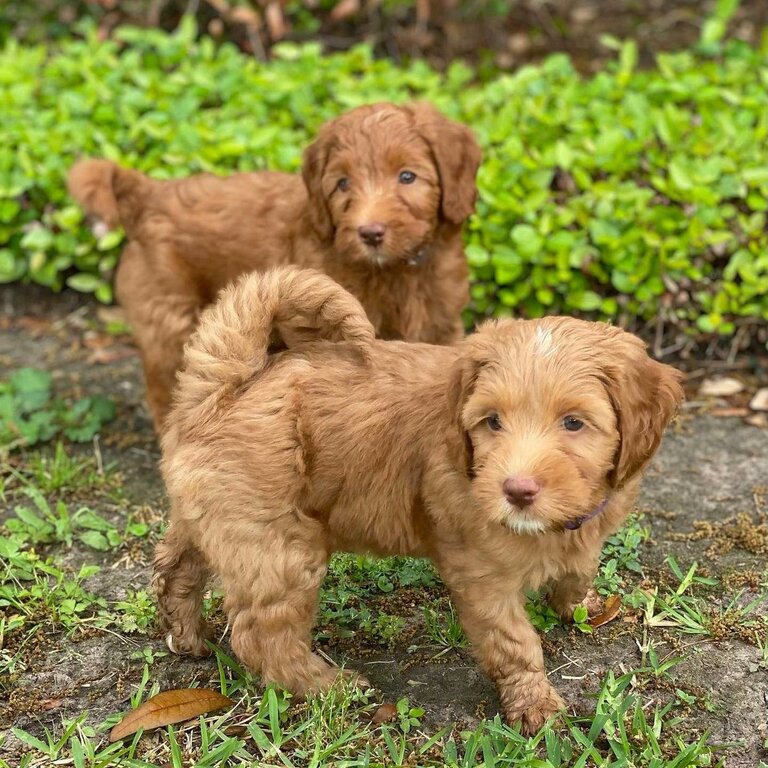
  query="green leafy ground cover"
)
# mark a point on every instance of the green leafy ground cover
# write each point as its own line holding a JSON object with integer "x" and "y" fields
{"x": 631, "y": 194}
{"x": 29, "y": 414}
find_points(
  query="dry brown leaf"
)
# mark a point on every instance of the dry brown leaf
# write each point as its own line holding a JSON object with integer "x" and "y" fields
{"x": 757, "y": 420}
{"x": 111, "y": 315}
{"x": 273, "y": 15}
{"x": 220, "y": 6}
{"x": 169, "y": 707}
{"x": 611, "y": 610}
{"x": 760, "y": 401}
{"x": 384, "y": 714}
{"x": 722, "y": 387}
{"x": 107, "y": 356}
{"x": 36, "y": 326}
{"x": 727, "y": 412}
{"x": 248, "y": 17}
{"x": 344, "y": 9}
{"x": 94, "y": 340}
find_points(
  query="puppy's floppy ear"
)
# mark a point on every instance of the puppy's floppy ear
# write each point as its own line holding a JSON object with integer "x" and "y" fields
{"x": 457, "y": 156}
{"x": 645, "y": 395}
{"x": 315, "y": 160}
{"x": 462, "y": 383}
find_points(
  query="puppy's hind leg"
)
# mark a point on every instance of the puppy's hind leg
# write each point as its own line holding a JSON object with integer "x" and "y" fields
{"x": 272, "y": 574}
{"x": 179, "y": 580}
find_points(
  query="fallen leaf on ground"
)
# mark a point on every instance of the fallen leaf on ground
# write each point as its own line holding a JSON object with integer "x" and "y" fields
{"x": 720, "y": 387}
{"x": 384, "y": 714}
{"x": 760, "y": 401}
{"x": 170, "y": 707}
{"x": 611, "y": 610}
{"x": 344, "y": 9}
{"x": 107, "y": 356}
{"x": 726, "y": 412}
{"x": 111, "y": 315}
{"x": 36, "y": 326}
{"x": 757, "y": 420}
{"x": 246, "y": 16}
{"x": 97, "y": 340}
{"x": 273, "y": 15}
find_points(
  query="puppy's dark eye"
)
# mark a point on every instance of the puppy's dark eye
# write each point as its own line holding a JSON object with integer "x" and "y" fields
{"x": 343, "y": 184}
{"x": 494, "y": 422}
{"x": 572, "y": 424}
{"x": 407, "y": 177}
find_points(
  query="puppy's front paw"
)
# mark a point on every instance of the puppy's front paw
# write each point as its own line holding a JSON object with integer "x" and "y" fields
{"x": 565, "y": 608}
{"x": 533, "y": 717}
{"x": 191, "y": 644}
{"x": 355, "y": 678}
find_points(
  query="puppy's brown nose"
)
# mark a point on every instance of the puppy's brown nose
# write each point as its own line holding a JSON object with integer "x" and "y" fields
{"x": 372, "y": 234}
{"x": 521, "y": 491}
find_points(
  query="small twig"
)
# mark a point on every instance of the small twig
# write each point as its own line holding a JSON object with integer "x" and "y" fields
{"x": 683, "y": 647}
{"x": 254, "y": 38}
{"x": 736, "y": 343}
{"x": 153, "y": 14}
{"x": 97, "y": 454}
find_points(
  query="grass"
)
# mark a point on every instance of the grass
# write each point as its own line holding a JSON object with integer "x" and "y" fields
{"x": 42, "y": 592}
{"x": 690, "y": 613}
{"x": 64, "y": 472}
{"x": 71, "y": 526}
{"x": 629, "y": 726}
{"x": 268, "y": 728}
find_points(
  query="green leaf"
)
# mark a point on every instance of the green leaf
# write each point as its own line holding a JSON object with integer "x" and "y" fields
{"x": 580, "y": 614}
{"x": 527, "y": 239}
{"x": 94, "y": 540}
{"x": 37, "y": 239}
{"x": 31, "y": 388}
{"x": 84, "y": 282}
{"x": 586, "y": 301}
{"x": 109, "y": 240}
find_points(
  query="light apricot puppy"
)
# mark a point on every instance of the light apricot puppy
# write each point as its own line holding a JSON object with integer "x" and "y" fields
{"x": 507, "y": 460}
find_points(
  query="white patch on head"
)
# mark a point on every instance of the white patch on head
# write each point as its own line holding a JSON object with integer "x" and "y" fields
{"x": 543, "y": 343}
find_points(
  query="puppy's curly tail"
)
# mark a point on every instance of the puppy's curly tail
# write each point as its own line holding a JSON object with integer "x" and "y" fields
{"x": 109, "y": 193}
{"x": 282, "y": 307}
